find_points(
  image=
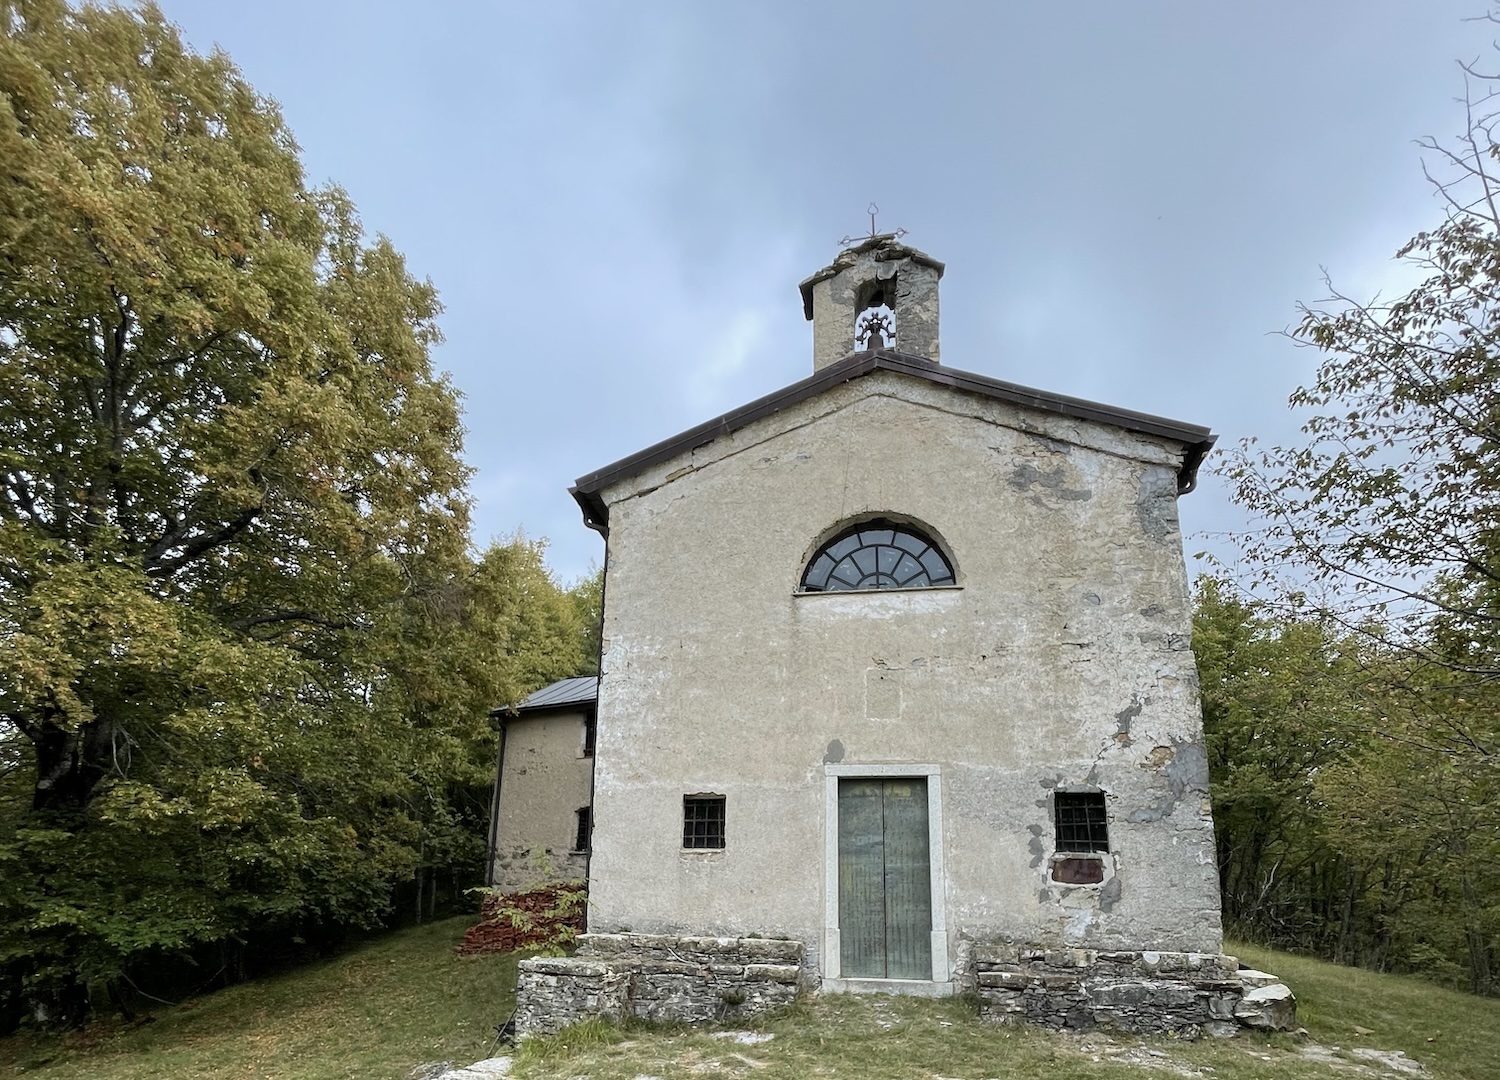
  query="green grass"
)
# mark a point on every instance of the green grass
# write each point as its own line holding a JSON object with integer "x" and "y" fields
{"x": 372, "y": 1013}
{"x": 1456, "y": 1036}
{"x": 1453, "y": 1033}
{"x": 378, "y": 1011}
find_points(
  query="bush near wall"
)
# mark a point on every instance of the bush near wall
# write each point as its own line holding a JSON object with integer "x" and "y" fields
{"x": 552, "y": 916}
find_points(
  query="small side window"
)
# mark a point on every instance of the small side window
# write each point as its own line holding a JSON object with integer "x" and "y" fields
{"x": 703, "y": 821}
{"x": 1081, "y": 822}
{"x": 585, "y": 817}
{"x": 590, "y": 731}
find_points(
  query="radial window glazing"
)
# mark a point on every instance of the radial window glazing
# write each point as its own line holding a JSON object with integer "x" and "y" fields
{"x": 877, "y": 555}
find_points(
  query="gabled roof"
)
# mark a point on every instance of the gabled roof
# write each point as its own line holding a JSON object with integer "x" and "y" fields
{"x": 565, "y": 693}
{"x": 1197, "y": 441}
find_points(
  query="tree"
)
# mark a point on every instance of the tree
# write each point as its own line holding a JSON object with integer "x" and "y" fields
{"x": 1389, "y": 509}
{"x": 245, "y": 654}
{"x": 1276, "y": 713}
{"x": 491, "y": 636}
{"x": 1335, "y": 834}
{"x": 217, "y": 411}
{"x": 587, "y": 596}
{"x": 1385, "y": 521}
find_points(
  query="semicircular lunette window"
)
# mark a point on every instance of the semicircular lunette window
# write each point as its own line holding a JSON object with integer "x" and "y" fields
{"x": 877, "y": 555}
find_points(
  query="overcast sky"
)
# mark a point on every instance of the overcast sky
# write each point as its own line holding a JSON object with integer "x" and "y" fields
{"x": 617, "y": 200}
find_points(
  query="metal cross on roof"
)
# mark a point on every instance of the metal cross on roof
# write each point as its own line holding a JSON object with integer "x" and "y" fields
{"x": 872, "y": 210}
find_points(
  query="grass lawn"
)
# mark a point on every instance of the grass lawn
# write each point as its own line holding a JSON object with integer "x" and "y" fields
{"x": 378, "y": 1011}
{"x": 1455, "y": 1036}
{"x": 372, "y": 1013}
{"x": 1453, "y": 1033}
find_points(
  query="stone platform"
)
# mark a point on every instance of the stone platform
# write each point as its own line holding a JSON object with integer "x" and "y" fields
{"x": 1184, "y": 994}
{"x": 670, "y": 977}
{"x": 657, "y": 977}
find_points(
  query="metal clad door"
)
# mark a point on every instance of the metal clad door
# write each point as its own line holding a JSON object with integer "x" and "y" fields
{"x": 885, "y": 895}
{"x": 862, "y": 879}
{"x": 908, "y": 883}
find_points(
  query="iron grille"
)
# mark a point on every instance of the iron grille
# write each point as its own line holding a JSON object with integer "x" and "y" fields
{"x": 1081, "y": 822}
{"x": 585, "y": 828}
{"x": 703, "y": 821}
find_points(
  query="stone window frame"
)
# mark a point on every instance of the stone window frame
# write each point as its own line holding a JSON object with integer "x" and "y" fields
{"x": 942, "y": 971}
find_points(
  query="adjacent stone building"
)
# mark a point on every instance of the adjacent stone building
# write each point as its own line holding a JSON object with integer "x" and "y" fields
{"x": 896, "y": 672}
{"x": 540, "y": 813}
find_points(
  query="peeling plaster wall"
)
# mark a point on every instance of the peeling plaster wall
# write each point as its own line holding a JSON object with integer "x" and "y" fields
{"x": 1060, "y": 661}
{"x": 545, "y": 779}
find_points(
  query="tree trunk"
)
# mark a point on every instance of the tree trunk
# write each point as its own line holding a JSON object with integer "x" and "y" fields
{"x": 421, "y": 854}
{"x": 61, "y": 1007}
{"x": 1481, "y": 980}
{"x": 11, "y": 997}
{"x": 70, "y": 764}
{"x": 1341, "y": 948}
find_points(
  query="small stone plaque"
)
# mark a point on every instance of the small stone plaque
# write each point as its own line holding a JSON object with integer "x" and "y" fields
{"x": 1078, "y": 871}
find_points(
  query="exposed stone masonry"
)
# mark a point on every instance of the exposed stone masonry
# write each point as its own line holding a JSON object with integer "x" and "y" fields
{"x": 657, "y": 977}
{"x": 1185, "y": 994}
{"x": 668, "y": 977}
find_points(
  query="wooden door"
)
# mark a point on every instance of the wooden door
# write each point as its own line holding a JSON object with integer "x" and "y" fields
{"x": 885, "y": 885}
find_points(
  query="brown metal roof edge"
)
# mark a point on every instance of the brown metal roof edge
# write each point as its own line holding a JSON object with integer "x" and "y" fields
{"x": 513, "y": 712}
{"x": 1196, "y": 439}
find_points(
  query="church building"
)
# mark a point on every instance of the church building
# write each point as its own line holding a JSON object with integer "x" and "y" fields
{"x": 896, "y": 693}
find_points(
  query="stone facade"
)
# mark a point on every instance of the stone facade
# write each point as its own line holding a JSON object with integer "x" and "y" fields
{"x": 657, "y": 977}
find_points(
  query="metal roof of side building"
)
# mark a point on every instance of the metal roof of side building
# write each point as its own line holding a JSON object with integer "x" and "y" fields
{"x": 581, "y": 690}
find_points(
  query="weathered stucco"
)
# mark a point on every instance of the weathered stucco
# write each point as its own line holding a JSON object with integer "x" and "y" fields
{"x": 544, "y": 780}
{"x": 837, "y": 294}
{"x": 1060, "y": 660}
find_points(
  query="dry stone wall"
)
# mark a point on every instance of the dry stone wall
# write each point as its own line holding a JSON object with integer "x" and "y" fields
{"x": 671, "y": 977}
{"x": 1185, "y": 994}
{"x": 657, "y": 977}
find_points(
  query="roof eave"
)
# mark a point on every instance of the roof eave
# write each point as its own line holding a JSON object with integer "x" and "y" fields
{"x": 507, "y": 712}
{"x": 595, "y": 513}
{"x": 1195, "y": 439}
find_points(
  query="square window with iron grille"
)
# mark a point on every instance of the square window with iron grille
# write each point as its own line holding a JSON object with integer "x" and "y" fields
{"x": 703, "y": 821}
{"x": 585, "y": 828}
{"x": 1081, "y": 822}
